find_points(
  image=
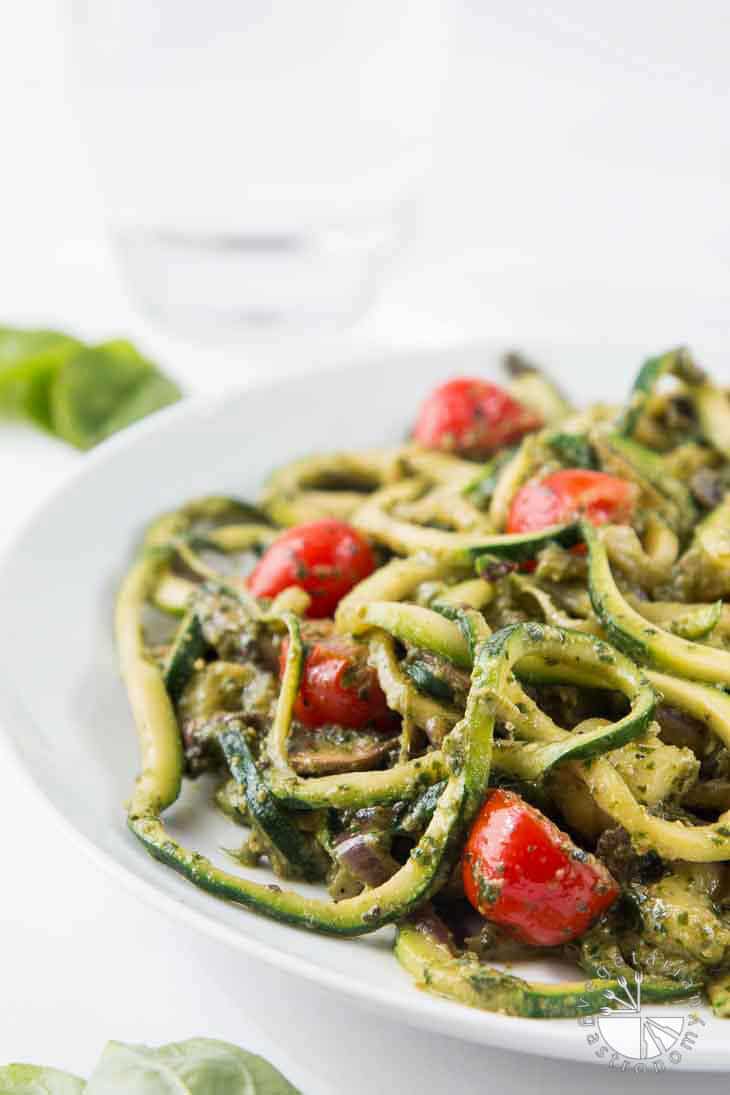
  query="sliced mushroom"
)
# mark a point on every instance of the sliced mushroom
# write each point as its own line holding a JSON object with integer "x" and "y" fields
{"x": 330, "y": 750}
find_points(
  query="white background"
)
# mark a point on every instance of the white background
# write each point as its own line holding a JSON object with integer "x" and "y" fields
{"x": 580, "y": 189}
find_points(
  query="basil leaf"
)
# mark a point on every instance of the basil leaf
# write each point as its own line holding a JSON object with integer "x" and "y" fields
{"x": 35, "y": 1080}
{"x": 18, "y": 344}
{"x": 29, "y": 362}
{"x": 80, "y": 393}
{"x": 155, "y": 391}
{"x": 200, "y": 1066}
{"x": 102, "y": 389}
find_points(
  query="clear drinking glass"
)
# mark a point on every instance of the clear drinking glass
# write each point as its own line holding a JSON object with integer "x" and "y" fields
{"x": 258, "y": 158}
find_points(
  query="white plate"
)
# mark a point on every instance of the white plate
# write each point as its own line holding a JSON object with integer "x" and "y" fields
{"x": 65, "y": 711}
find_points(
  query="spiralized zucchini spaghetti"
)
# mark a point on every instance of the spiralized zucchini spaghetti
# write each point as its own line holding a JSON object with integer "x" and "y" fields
{"x": 476, "y": 684}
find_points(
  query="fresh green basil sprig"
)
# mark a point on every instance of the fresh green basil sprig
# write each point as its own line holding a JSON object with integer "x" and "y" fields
{"x": 80, "y": 393}
{"x": 199, "y": 1066}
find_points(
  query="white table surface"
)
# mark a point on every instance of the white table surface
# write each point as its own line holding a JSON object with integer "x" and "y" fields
{"x": 611, "y": 223}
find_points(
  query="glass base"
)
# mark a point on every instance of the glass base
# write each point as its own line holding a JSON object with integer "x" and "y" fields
{"x": 260, "y": 280}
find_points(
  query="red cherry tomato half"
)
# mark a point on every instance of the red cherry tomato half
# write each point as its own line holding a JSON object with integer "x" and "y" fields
{"x": 522, "y": 872}
{"x": 326, "y": 558}
{"x": 472, "y": 418}
{"x": 338, "y": 686}
{"x": 571, "y": 493}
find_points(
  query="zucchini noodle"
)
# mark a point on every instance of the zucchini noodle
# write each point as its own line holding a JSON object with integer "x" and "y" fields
{"x": 569, "y": 649}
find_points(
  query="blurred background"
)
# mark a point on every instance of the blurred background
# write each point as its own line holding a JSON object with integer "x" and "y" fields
{"x": 512, "y": 170}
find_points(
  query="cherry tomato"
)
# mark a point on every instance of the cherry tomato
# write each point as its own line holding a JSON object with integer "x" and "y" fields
{"x": 522, "y": 872}
{"x": 571, "y": 493}
{"x": 472, "y": 418}
{"x": 338, "y": 686}
{"x": 326, "y": 558}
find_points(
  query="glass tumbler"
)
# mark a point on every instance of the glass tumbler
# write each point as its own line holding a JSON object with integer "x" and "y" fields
{"x": 258, "y": 159}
